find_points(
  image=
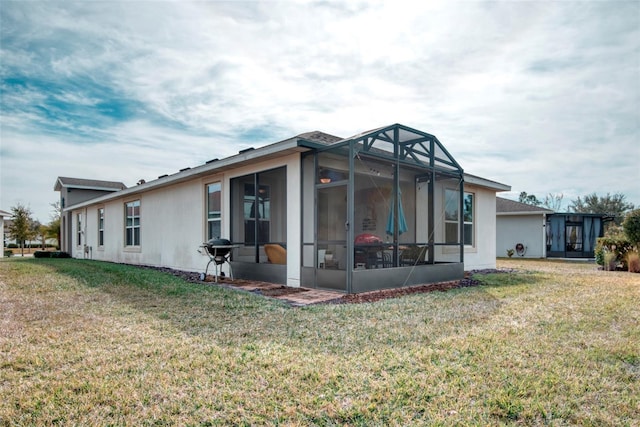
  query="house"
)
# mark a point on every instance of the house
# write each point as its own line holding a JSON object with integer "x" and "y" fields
{"x": 535, "y": 232}
{"x": 74, "y": 191}
{"x": 3, "y": 216}
{"x": 523, "y": 226}
{"x": 574, "y": 235}
{"x": 385, "y": 208}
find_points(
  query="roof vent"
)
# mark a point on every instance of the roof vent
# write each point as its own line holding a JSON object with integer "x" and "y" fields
{"x": 140, "y": 182}
{"x": 245, "y": 150}
{"x": 162, "y": 176}
{"x": 211, "y": 161}
{"x": 185, "y": 169}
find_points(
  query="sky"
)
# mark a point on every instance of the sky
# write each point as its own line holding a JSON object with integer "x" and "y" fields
{"x": 542, "y": 96}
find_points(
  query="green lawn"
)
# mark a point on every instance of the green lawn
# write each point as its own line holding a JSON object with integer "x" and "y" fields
{"x": 90, "y": 343}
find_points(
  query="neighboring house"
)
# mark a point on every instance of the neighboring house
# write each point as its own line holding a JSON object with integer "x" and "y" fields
{"x": 386, "y": 208}
{"x": 4, "y": 215}
{"x": 523, "y": 226}
{"x": 74, "y": 191}
{"x": 535, "y": 232}
{"x": 574, "y": 235}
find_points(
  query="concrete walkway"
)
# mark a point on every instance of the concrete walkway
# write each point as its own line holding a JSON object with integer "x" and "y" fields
{"x": 297, "y": 297}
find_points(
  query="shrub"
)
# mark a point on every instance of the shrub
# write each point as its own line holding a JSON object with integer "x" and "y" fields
{"x": 631, "y": 226}
{"x": 56, "y": 254}
{"x": 610, "y": 261}
{"x": 41, "y": 254}
{"x": 13, "y": 245}
{"x": 617, "y": 246}
{"x": 8, "y": 253}
{"x": 59, "y": 254}
{"x": 633, "y": 262}
{"x": 599, "y": 252}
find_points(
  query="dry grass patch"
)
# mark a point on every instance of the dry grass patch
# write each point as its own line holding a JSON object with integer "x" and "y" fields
{"x": 92, "y": 343}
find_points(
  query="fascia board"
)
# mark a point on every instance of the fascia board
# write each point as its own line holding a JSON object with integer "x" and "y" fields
{"x": 275, "y": 150}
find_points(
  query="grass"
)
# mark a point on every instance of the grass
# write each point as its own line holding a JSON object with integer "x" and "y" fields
{"x": 91, "y": 343}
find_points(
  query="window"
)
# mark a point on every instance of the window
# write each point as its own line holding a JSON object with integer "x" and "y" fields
{"x": 79, "y": 230}
{"x": 213, "y": 211}
{"x": 451, "y": 217}
{"x": 132, "y": 223}
{"x": 101, "y": 227}
{"x": 467, "y": 215}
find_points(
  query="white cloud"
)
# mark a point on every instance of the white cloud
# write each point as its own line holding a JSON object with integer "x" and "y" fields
{"x": 542, "y": 96}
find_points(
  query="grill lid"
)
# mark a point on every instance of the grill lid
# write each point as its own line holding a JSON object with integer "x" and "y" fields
{"x": 219, "y": 242}
{"x": 367, "y": 239}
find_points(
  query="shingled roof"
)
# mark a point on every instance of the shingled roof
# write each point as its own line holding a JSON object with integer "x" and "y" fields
{"x": 87, "y": 184}
{"x": 506, "y": 206}
{"x": 320, "y": 137}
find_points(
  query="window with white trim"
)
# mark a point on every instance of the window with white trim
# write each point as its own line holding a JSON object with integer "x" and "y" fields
{"x": 213, "y": 211}
{"x": 79, "y": 230}
{"x": 467, "y": 218}
{"x": 132, "y": 223}
{"x": 101, "y": 227}
{"x": 452, "y": 218}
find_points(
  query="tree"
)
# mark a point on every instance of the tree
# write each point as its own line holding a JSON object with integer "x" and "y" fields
{"x": 631, "y": 226}
{"x": 529, "y": 199}
{"x": 553, "y": 201}
{"x": 612, "y": 205}
{"x": 43, "y": 231}
{"x": 34, "y": 227}
{"x": 53, "y": 227}
{"x": 53, "y": 230}
{"x": 21, "y": 226}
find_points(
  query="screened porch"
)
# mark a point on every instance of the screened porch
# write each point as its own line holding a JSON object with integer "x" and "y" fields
{"x": 382, "y": 209}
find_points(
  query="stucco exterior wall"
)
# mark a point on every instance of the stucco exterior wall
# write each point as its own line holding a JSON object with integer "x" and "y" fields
{"x": 526, "y": 229}
{"x": 72, "y": 196}
{"x": 483, "y": 253}
{"x": 2, "y": 228}
{"x": 173, "y": 223}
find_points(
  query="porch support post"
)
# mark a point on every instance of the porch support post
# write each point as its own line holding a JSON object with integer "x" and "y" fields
{"x": 256, "y": 221}
{"x": 431, "y": 200}
{"x": 396, "y": 195}
{"x": 461, "y": 217}
{"x": 431, "y": 214}
{"x": 350, "y": 218}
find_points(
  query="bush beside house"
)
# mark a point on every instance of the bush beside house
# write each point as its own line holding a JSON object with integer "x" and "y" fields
{"x": 618, "y": 249}
{"x": 631, "y": 226}
{"x": 49, "y": 254}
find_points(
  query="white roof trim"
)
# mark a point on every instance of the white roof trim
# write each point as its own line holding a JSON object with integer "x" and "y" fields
{"x": 482, "y": 182}
{"x": 536, "y": 213}
{"x": 88, "y": 187}
{"x": 274, "y": 150}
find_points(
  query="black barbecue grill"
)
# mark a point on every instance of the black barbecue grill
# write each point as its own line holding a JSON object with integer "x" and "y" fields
{"x": 219, "y": 252}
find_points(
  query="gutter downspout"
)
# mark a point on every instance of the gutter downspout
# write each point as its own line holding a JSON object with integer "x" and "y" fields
{"x": 544, "y": 235}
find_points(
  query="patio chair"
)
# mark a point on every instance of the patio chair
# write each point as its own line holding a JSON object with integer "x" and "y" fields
{"x": 276, "y": 254}
{"x": 413, "y": 255}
